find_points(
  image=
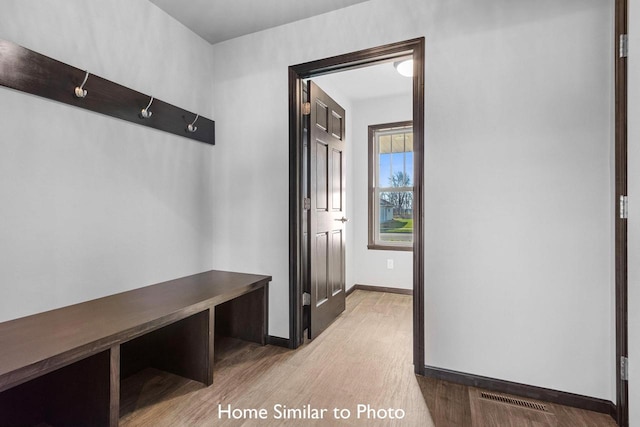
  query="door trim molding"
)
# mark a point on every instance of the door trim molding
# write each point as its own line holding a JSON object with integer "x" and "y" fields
{"x": 362, "y": 58}
{"x": 621, "y": 285}
{"x": 279, "y": 342}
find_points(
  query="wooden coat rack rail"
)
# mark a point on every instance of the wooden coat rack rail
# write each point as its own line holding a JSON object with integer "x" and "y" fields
{"x": 28, "y": 71}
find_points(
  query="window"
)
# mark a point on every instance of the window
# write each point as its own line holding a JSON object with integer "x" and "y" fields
{"x": 391, "y": 186}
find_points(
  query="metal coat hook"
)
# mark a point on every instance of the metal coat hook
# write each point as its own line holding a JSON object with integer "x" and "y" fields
{"x": 80, "y": 91}
{"x": 191, "y": 127}
{"x": 145, "y": 113}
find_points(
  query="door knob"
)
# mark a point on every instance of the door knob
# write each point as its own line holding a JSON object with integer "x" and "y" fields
{"x": 343, "y": 219}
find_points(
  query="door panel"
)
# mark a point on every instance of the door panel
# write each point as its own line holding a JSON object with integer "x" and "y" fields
{"x": 336, "y": 125}
{"x": 336, "y": 180}
{"x": 321, "y": 278}
{"x": 327, "y": 188}
{"x": 337, "y": 259}
{"x": 321, "y": 115}
{"x": 322, "y": 176}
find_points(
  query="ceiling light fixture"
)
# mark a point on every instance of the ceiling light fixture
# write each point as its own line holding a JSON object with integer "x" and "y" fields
{"x": 404, "y": 67}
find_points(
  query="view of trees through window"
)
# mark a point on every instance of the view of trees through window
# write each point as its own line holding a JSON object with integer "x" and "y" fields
{"x": 392, "y": 173}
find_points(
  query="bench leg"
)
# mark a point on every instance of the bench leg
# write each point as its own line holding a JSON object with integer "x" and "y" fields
{"x": 114, "y": 398}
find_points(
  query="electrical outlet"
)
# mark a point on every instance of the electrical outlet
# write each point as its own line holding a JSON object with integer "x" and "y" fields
{"x": 390, "y": 264}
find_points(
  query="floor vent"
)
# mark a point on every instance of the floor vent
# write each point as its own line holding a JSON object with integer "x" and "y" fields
{"x": 513, "y": 401}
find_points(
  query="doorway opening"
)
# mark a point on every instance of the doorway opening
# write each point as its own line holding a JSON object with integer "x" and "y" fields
{"x": 297, "y": 74}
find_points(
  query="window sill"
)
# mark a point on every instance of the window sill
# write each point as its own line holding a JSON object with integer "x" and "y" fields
{"x": 390, "y": 248}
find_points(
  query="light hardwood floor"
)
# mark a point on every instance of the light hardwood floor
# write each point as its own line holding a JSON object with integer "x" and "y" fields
{"x": 363, "y": 358}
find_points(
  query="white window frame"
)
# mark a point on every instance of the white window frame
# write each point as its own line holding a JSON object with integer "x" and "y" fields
{"x": 375, "y": 188}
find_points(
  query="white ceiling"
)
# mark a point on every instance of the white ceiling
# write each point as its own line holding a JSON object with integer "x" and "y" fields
{"x": 375, "y": 81}
{"x": 219, "y": 20}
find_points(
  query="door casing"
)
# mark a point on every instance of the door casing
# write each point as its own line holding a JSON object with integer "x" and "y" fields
{"x": 621, "y": 286}
{"x": 414, "y": 48}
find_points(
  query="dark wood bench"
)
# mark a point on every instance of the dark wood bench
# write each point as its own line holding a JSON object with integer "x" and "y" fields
{"x": 63, "y": 367}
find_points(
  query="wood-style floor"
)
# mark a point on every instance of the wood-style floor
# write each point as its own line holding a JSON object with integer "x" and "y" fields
{"x": 363, "y": 358}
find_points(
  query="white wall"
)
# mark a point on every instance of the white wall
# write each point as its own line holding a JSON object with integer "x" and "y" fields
{"x": 518, "y": 198}
{"x": 633, "y": 223}
{"x": 517, "y": 191}
{"x": 370, "y": 266}
{"x": 92, "y": 205}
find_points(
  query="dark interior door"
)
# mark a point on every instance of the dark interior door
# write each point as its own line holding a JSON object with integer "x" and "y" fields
{"x": 327, "y": 213}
